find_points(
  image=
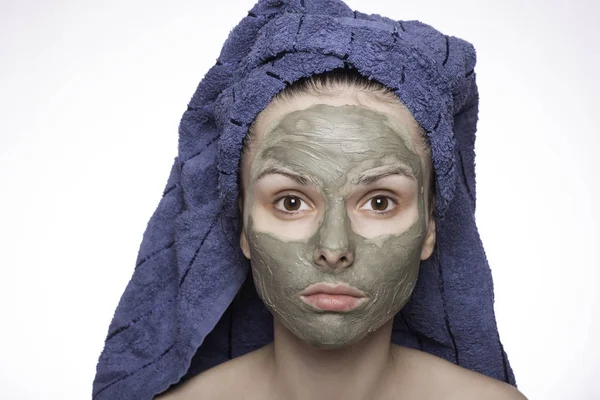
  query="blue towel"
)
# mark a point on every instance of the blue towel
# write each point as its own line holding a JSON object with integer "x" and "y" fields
{"x": 191, "y": 303}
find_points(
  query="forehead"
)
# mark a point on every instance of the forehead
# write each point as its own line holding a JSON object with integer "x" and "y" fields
{"x": 344, "y": 96}
{"x": 332, "y": 143}
{"x": 345, "y": 130}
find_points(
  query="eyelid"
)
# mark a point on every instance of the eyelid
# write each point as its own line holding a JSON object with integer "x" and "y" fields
{"x": 369, "y": 197}
{"x": 292, "y": 192}
{"x": 379, "y": 192}
{"x": 280, "y": 187}
{"x": 287, "y": 193}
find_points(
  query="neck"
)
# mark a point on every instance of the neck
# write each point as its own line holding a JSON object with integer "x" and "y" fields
{"x": 302, "y": 371}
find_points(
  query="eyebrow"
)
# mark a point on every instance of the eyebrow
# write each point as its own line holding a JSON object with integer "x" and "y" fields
{"x": 293, "y": 176}
{"x": 368, "y": 179}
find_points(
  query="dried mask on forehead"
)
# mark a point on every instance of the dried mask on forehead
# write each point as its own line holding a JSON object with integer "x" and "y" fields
{"x": 336, "y": 151}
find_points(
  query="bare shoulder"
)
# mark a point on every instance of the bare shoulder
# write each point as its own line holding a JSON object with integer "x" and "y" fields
{"x": 441, "y": 379}
{"x": 231, "y": 379}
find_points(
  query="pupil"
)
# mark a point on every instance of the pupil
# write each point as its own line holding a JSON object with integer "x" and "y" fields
{"x": 291, "y": 203}
{"x": 379, "y": 203}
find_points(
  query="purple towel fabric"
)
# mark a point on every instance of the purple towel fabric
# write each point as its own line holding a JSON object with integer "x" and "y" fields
{"x": 191, "y": 303}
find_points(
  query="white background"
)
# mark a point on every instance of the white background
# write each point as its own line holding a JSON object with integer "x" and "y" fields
{"x": 91, "y": 94}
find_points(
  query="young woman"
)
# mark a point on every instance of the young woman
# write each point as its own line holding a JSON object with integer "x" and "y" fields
{"x": 337, "y": 215}
{"x": 316, "y": 237}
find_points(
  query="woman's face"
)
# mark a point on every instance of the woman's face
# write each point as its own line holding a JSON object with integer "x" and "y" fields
{"x": 335, "y": 193}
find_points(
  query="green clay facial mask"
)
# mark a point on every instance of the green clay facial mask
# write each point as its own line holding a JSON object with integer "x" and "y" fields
{"x": 321, "y": 186}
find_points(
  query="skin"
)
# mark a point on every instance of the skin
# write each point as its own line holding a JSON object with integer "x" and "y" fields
{"x": 336, "y": 222}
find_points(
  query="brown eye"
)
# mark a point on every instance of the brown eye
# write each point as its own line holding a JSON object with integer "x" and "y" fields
{"x": 291, "y": 203}
{"x": 379, "y": 203}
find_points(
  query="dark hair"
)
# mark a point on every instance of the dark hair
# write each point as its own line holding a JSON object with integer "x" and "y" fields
{"x": 328, "y": 83}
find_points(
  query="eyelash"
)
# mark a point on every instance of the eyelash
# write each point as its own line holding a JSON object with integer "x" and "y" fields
{"x": 288, "y": 213}
{"x": 395, "y": 201}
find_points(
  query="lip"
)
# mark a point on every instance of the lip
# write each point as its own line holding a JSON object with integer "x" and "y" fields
{"x": 327, "y": 297}
{"x": 325, "y": 288}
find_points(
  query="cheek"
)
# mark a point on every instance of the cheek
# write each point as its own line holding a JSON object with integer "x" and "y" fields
{"x": 369, "y": 226}
{"x": 392, "y": 269}
{"x": 279, "y": 265}
{"x": 280, "y": 273}
{"x": 268, "y": 220}
{"x": 389, "y": 268}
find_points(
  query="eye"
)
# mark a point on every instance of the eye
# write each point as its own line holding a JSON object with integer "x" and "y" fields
{"x": 291, "y": 204}
{"x": 380, "y": 204}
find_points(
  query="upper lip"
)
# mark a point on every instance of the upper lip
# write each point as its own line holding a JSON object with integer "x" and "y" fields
{"x": 325, "y": 288}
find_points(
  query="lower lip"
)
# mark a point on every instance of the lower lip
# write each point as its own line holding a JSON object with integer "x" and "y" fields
{"x": 333, "y": 302}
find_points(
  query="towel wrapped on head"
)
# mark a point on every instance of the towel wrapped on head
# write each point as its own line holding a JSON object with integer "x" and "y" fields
{"x": 191, "y": 303}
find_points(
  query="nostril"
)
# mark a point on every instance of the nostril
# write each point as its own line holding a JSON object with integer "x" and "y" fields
{"x": 333, "y": 259}
{"x": 346, "y": 260}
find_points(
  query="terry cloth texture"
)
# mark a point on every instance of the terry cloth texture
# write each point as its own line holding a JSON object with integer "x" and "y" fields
{"x": 191, "y": 303}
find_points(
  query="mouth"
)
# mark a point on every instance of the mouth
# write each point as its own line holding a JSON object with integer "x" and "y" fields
{"x": 326, "y": 297}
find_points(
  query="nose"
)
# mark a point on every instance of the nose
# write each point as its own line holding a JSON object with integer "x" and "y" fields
{"x": 340, "y": 258}
{"x": 333, "y": 249}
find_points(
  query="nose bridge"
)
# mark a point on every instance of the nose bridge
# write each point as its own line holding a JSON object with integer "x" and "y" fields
{"x": 334, "y": 247}
{"x": 333, "y": 232}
